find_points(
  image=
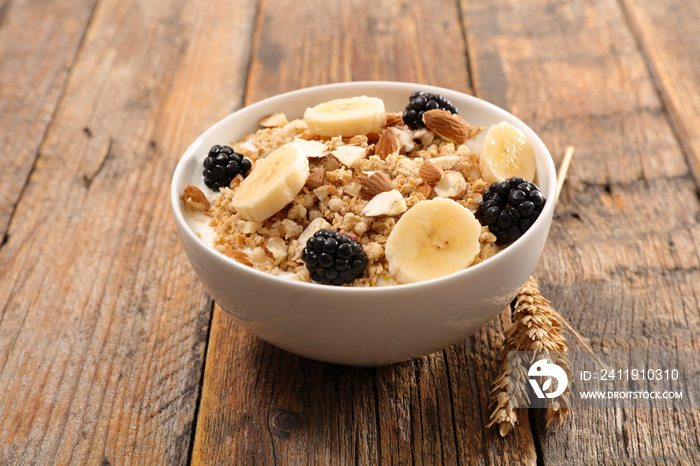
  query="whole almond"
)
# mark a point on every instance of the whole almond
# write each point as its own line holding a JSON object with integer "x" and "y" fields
{"x": 431, "y": 172}
{"x": 450, "y": 126}
{"x": 195, "y": 199}
{"x": 374, "y": 184}
{"x": 387, "y": 144}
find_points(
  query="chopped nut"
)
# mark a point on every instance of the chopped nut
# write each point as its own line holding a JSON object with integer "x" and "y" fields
{"x": 276, "y": 249}
{"x": 423, "y": 189}
{"x": 312, "y": 149}
{"x": 195, "y": 200}
{"x": 236, "y": 181}
{"x": 452, "y": 185}
{"x": 306, "y": 136}
{"x": 385, "y": 203}
{"x": 323, "y": 192}
{"x": 388, "y": 144}
{"x": 424, "y": 135}
{"x": 372, "y": 138}
{"x": 431, "y": 172}
{"x": 313, "y": 226}
{"x": 446, "y": 161}
{"x": 374, "y": 184}
{"x": 349, "y": 155}
{"x": 359, "y": 139}
{"x": 315, "y": 178}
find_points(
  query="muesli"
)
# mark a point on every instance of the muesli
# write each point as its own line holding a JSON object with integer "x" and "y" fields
{"x": 353, "y": 195}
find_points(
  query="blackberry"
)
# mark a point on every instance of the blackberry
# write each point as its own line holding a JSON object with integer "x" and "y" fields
{"x": 333, "y": 258}
{"x": 510, "y": 207}
{"x": 222, "y": 165}
{"x": 420, "y": 103}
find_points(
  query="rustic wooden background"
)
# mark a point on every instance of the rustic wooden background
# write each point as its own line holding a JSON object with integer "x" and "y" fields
{"x": 111, "y": 352}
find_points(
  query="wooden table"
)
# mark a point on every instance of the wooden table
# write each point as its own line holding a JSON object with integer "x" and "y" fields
{"x": 111, "y": 351}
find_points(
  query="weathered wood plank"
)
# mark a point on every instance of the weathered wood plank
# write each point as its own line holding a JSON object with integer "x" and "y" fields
{"x": 667, "y": 33}
{"x": 37, "y": 48}
{"x": 622, "y": 261}
{"x": 356, "y": 41}
{"x": 262, "y": 404}
{"x": 103, "y": 324}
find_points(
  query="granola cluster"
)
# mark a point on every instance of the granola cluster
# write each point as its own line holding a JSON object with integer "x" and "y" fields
{"x": 335, "y": 196}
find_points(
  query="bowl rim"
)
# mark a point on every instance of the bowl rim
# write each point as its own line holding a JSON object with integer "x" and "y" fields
{"x": 535, "y": 140}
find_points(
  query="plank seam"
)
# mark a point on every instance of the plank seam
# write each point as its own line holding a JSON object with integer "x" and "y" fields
{"x": 377, "y": 417}
{"x": 254, "y": 45}
{"x": 465, "y": 36}
{"x": 658, "y": 87}
{"x": 200, "y": 386}
{"x": 52, "y": 119}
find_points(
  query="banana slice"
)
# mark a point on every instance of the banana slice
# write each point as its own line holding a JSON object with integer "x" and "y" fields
{"x": 433, "y": 238}
{"x": 506, "y": 153}
{"x": 272, "y": 184}
{"x": 346, "y": 117}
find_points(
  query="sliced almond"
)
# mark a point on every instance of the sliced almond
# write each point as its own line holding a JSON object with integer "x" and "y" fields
{"x": 325, "y": 191}
{"x": 386, "y": 203}
{"x": 359, "y": 139}
{"x": 424, "y": 135}
{"x": 313, "y": 226}
{"x": 452, "y": 185}
{"x": 276, "y": 120}
{"x": 393, "y": 119}
{"x": 237, "y": 255}
{"x": 431, "y": 172}
{"x": 195, "y": 200}
{"x": 276, "y": 249}
{"x": 448, "y": 125}
{"x": 315, "y": 178}
{"x": 405, "y": 140}
{"x": 312, "y": 149}
{"x": 388, "y": 144}
{"x": 349, "y": 155}
{"x": 373, "y": 184}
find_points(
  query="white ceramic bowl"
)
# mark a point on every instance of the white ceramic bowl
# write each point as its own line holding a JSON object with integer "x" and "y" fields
{"x": 362, "y": 326}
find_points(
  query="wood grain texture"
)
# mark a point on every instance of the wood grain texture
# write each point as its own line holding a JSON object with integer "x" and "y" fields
{"x": 354, "y": 41}
{"x": 622, "y": 260}
{"x": 37, "y": 47}
{"x": 103, "y": 324}
{"x": 669, "y": 39}
{"x": 261, "y": 404}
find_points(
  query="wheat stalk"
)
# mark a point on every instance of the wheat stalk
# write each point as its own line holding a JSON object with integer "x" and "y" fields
{"x": 536, "y": 328}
